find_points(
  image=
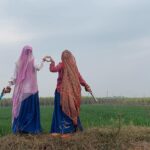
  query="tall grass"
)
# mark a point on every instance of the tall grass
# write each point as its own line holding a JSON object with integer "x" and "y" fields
{"x": 44, "y": 101}
{"x": 90, "y": 115}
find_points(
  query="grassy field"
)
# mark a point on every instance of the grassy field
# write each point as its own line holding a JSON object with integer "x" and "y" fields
{"x": 101, "y": 115}
{"x": 108, "y": 126}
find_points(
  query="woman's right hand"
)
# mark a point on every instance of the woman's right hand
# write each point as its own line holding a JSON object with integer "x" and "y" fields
{"x": 47, "y": 58}
{"x": 44, "y": 58}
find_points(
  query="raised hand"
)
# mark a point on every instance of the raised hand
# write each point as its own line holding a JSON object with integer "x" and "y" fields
{"x": 45, "y": 58}
{"x": 48, "y": 59}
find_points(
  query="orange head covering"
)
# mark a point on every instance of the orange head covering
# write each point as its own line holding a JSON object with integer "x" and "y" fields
{"x": 70, "y": 88}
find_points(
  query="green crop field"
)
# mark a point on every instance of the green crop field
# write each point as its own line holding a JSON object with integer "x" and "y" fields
{"x": 91, "y": 116}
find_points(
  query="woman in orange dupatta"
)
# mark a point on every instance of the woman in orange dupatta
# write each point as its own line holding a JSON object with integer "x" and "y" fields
{"x": 67, "y": 96}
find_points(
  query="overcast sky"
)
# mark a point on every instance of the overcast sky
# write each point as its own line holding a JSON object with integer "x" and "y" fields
{"x": 109, "y": 38}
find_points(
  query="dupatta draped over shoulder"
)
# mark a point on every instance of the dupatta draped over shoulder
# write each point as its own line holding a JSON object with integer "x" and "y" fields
{"x": 70, "y": 88}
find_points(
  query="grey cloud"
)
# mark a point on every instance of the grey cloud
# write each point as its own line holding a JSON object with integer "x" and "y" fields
{"x": 110, "y": 39}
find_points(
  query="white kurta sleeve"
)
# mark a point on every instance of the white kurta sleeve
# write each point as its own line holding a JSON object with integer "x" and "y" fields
{"x": 38, "y": 67}
{"x": 12, "y": 80}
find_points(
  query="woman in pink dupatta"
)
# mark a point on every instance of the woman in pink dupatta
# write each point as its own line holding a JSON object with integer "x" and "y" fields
{"x": 25, "y": 100}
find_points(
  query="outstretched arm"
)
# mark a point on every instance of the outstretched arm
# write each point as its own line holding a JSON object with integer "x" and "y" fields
{"x": 55, "y": 68}
{"x": 38, "y": 67}
{"x": 83, "y": 83}
{"x": 12, "y": 80}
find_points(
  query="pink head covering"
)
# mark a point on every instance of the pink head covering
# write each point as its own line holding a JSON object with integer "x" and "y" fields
{"x": 26, "y": 80}
{"x": 26, "y": 58}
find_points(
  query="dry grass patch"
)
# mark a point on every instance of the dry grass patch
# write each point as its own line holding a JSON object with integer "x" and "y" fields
{"x": 126, "y": 138}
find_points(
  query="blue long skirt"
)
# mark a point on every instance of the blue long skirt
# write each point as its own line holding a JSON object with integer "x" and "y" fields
{"x": 61, "y": 123}
{"x": 28, "y": 120}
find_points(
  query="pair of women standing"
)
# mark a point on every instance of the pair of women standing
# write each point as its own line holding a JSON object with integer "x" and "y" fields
{"x": 26, "y": 112}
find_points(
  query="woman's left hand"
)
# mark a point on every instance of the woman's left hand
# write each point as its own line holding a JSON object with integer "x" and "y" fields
{"x": 88, "y": 89}
{"x": 46, "y": 58}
